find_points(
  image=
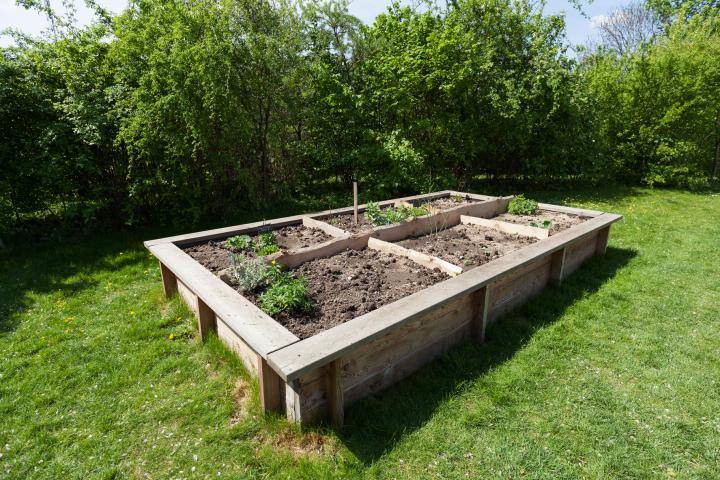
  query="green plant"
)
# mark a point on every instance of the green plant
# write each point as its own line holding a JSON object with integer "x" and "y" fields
{"x": 266, "y": 244}
{"x": 522, "y": 206}
{"x": 240, "y": 242}
{"x": 391, "y": 215}
{"x": 546, "y": 224}
{"x": 287, "y": 294}
{"x": 253, "y": 273}
{"x": 457, "y": 198}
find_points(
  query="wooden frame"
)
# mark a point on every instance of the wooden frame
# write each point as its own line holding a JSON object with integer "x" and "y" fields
{"x": 323, "y": 374}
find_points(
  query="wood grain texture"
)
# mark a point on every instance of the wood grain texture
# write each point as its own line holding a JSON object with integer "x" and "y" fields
{"x": 308, "y": 354}
{"x": 557, "y": 266}
{"x": 245, "y": 353}
{"x": 507, "y": 227}
{"x": 168, "y": 280}
{"x": 602, "y": 241}
{"x": 272, "y": 389}
{"x": 252, "y": 325}
{"x": 331, "y": 230}
{"x": 206, "y": 319}
{"x": 418, "y": 257}
{"x": 480, "y": 311}
{"x": 335, "y": 399}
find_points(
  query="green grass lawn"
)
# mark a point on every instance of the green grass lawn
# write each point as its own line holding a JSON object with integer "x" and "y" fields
{"x": 615, "y": 374}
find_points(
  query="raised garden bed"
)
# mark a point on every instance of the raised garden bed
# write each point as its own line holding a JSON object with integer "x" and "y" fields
{"x": 383, "y": 300}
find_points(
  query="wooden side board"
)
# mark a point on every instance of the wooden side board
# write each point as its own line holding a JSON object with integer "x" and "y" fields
{"x": 368, "y": 366}
{"x": 324, "y": 373}
{"x": 507, "y": 227}
{"x": 296, "y": 359}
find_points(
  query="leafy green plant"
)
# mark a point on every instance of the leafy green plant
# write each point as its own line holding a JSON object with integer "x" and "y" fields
{"x": 391, "y": 215}
{"x": 240, "y": 242}
{"x": 546, "y": 224}
{"x": 288, "y": 294}
{"x": 253, "y": 273}
{"x": 457, "y": 198}
{"x": 266, "y": 244}
{"x": 522, "y": 206}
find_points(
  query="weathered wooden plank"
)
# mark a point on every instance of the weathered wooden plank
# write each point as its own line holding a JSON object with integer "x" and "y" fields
{"x": 331, "y": 230}
{"x": 188, "y": 297}
{"x": 276, "y": 223}
{"x": 336, "y": 402}
{"x": 507, "y": 227}
{"x": 418, "y": 257}
{"x": 271, "y": 387}
{"x": 577, "y": 252}
{"x": 519, "y": 286}
{"x": 206, "y": 319}
{"x": 246, "y": 354}
{"x": 293, "y": 258}
{"x": 259, "y": 331}
{"x": 308, "y": 354}
{"x": 168, "y": 280}
{"x": 557, "y": 266}
{"x": 602, "y": 241}
{"x": 571, "y": 210}
{"x": 481, "y": 307}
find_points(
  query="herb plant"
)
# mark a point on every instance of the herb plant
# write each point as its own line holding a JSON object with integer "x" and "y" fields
{"x": 288, "y": 294}
{"x": 522, "y": 206}
{"x": 391, "y": 215}
{"x": 240, "y": 242}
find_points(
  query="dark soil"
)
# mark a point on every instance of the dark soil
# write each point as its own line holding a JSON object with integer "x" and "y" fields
{"x": 215, "y": 255}
{"x": 353, "y": 283}
{"x": 345, "y": 222}
{"x": 560, "y": 221}
{"x": 467, "y": 246}
{"x": 447, "y": 203}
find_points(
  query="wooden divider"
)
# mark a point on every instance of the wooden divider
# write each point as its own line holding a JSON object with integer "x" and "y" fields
{"x": 328, "y": 371}
{"x": 418, "y": 257}
{"x": 507, "y": 227}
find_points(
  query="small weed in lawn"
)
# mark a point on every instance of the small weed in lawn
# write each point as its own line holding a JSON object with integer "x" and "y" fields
{"x": 286, "y": 295}
{"x": 240, "y": 242}
{"x": 522, "y": 206}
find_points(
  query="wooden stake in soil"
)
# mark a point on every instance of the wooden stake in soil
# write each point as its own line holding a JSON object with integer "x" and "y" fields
{"x": 355, "y": 203}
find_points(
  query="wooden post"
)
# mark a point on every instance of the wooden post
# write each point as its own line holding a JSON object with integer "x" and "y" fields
{"x": 206, "y": 319}
{"x": 355, "y": 203}
{"x": 336, "y": 402}
{"x": 602, "y": 241}
{"x": 557, "y": 265}
{"x": 481, "y": 307}
{"x": 169, "y": 281}
{"x": 271, "y": 391}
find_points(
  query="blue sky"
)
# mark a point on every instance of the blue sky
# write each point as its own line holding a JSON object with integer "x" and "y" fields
{"x": 579, "y": 28}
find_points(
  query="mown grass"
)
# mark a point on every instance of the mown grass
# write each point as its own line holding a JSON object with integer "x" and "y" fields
{"x": 615, "y": 374}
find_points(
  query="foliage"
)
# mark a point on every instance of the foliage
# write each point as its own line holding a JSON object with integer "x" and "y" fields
{"x": 520, "y": 205}
{"x": 253, "y": 273}
{"x": 387, "y": 216}
{"x": 286, "y": 295}
{"x": 546, "y": 224}
{"x": 265, "y": 244}
{"x": 240, "y": 242}
{"x": 196, "y": 110}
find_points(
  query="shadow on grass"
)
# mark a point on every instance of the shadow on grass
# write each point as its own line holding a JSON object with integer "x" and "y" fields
{"x": 374, "y": 425}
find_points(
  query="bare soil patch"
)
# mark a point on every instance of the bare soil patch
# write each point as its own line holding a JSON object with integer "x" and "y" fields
{"x": 560, "y": 221}
{"x": 345, "y": 222}
{"x": 215, "y": 255}
{"x": 447, "y": 203}
{"x": 467, "y": 246}
{"x": 351, "y": 284}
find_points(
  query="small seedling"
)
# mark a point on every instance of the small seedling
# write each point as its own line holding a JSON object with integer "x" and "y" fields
{"x": 546, "y": 224}
{"x": 240, "y": 242}
{"x": 285, "y": 295}
{"x": 457, "y": 198}
{"x": 522, "y": 206}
